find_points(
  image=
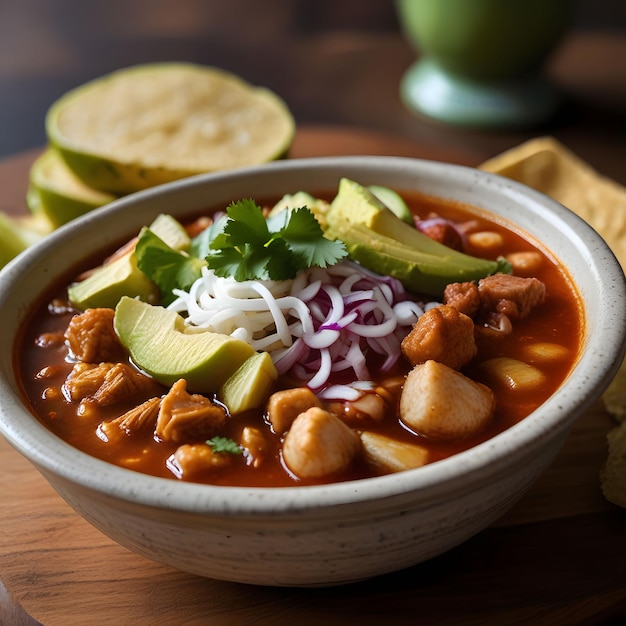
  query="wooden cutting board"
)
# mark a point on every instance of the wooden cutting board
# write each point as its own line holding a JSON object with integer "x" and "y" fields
{"x": 556, "y": 558}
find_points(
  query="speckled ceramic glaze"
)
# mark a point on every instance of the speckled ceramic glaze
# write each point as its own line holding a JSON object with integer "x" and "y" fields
{"x": 316, "y": 535}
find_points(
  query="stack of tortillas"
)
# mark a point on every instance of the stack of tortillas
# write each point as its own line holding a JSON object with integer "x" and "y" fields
{"x": 549, "y": 167}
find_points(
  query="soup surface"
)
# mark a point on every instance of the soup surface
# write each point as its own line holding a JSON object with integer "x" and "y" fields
{"x": 520, "y": 359}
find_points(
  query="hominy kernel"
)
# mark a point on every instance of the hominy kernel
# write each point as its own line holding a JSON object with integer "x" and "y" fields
{"x": 485, "y": 239}
{"x": 524, "y": 263}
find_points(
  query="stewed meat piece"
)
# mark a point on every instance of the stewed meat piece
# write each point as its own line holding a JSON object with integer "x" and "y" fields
{"x": 319, "y": 444}
{"x": 105, "y": 384}
{"x": 464, "y": 297}
{"x": 513, "y": 296}
{"x": 284, "y": 406}
{"x": 91, "y": 337}
{"x": 441, "y": 334}
{"x": 441, "y": 403}
{"x": 185, "y": 417}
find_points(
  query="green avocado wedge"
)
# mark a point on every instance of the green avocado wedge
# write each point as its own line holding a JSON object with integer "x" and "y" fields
{"x": 250, "y": 386}
{"x": 393, "y": 201}
{"x": 381, "y": 241}
{"x": 162, "y": 345}
{"x": 108, "y": 283}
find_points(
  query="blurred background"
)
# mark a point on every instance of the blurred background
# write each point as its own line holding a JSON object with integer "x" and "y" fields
{"x": 307, "y": 50}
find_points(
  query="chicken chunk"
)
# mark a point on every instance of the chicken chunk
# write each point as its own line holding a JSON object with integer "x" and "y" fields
{"x": 371, "y": 405}
{"x": 137, "y": 420}
{"x": 284, "y": 406}
{"x": 463, "y": 296}
{"x": 440, "y": 403}
{"x": 91, "y": 336}
{"x": 255, "y": 444}
{"x": 512, "y": 296}
{"x": 319, "y": 444}
{"x": 189, "y": 460}
{"x": 105, "y": 384}
{"x": 185, "y": 417}
{"x": 442, "y": 334}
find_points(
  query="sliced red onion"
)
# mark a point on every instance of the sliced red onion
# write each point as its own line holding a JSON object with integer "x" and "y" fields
{"x": 407, "y": 312}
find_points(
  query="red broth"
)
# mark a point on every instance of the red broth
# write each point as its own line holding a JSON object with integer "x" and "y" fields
{"x": 43, "y": 365}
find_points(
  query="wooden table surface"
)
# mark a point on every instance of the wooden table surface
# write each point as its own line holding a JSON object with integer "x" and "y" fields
{"x": 558, "y": 557}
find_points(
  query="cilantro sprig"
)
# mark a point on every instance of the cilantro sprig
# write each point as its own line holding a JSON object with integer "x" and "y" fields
{"x": 247, "y": 246}
{"x": 224, "y": 444}
{"x": 240, "y": 243}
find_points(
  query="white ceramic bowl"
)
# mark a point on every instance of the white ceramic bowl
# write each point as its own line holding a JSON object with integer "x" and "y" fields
{"x": 333, "y": 534}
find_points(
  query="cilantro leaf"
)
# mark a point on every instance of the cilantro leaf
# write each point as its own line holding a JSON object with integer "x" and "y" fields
{"x": 245, "y": 263}
{"x": 246, "y": 224}
{"x": 247, "y": 246}
{"x": 301, "y": 230}
{"x": 166, "y": 267}
{"x": 224, "y": 444}
{"x": 504, "y": 266}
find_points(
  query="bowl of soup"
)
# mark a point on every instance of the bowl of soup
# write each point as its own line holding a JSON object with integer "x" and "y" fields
{"x": 307, "y": 373}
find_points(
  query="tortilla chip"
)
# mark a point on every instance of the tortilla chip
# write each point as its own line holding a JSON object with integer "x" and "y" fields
{"x": 613, "y": 474}
{"x": 549, "y": 167}
{"x": 614, "y": 397}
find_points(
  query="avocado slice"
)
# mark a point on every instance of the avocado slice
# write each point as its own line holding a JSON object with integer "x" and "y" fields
{"x": 171, "y": 231}
{"x": 108, "y": 283}
{"x": 384, "y": 243}
{"x": 393, "y": 201}
{"x": 249, "y": 387}
{"x": 163, "y": 346}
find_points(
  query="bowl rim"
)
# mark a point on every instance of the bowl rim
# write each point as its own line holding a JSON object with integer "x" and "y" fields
{"x": 432, "y": 482}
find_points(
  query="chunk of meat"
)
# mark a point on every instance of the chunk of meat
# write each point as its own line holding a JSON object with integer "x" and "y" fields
{"x": 494, "y": 325}
{"x": 370, "y": 405}
{"x": 513, "y": 296}
{"x": 91, "y": 336}
{"x": 105, "y": 384}
{"x": 440, "y": 403}
{"x": 441, "y": 334}
{"x": 189, "y": 460}
{"x": 138, "y": 419}
{"x": 441, "y": 231}
{"x": 464, "y": 297}
{"x": 187, "y": 418}
{"x": 319, "y": 444}
{"x": 255, "y": 444}
{"x": 284, "y": 406}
